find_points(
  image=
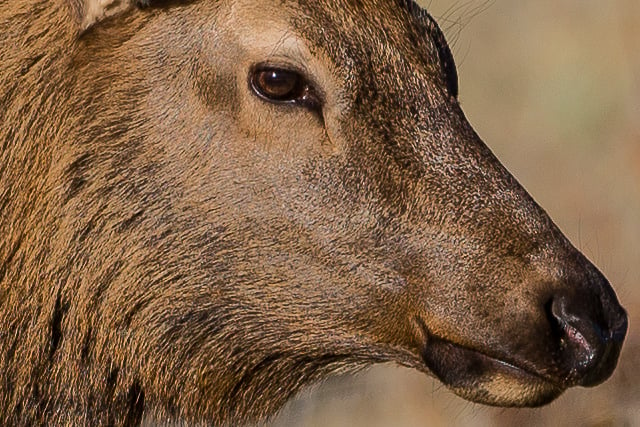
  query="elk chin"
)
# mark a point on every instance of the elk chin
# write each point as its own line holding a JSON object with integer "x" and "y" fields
{"x": 484, "y": 379}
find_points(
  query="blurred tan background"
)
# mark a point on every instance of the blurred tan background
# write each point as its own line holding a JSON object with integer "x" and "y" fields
{"x": 553, "y": 87}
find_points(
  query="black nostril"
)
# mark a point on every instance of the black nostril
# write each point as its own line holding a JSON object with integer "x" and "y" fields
{"x": 588, "y": 343}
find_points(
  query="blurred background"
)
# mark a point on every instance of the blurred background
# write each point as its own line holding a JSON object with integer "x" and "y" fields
{"x": 553, "y": 87}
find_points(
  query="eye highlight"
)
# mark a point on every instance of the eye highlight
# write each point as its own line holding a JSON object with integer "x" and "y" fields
{"x": 283, "y": 86}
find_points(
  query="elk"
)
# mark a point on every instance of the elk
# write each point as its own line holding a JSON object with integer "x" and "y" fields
{"x": 206, "y": 205}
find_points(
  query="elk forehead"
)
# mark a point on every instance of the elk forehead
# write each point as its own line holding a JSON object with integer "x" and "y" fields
{"x": 347, "y": 48}
{"x": 263, "y": 36}
{"x": 372, "y": 43}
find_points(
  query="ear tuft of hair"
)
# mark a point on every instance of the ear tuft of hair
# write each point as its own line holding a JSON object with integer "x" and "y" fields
{"x": 92, "y": 11}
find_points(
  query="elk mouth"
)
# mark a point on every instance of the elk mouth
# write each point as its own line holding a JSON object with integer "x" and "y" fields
{"x": 485, "y": 379}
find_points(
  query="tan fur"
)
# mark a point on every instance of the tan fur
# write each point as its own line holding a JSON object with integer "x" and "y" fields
{"x": 96, "y": 10}
{"x": 175, "y": 249}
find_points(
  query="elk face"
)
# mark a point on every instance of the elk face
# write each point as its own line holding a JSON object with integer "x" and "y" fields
{"x": 323, "y": 204}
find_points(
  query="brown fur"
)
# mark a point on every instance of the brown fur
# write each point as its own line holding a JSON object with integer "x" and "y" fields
{"x": 174, "y": 248}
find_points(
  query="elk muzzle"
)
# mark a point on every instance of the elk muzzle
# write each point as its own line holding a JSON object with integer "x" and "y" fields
{"x": 576, "y": 341}
{"x": 590, "y": 335}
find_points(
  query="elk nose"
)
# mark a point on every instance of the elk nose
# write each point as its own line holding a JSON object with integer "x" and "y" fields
{"x": 590, "y": 333}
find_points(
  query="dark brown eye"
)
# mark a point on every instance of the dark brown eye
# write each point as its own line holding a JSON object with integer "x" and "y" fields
{"x": 282, "y": 86}
{"x": 277, "y": 85}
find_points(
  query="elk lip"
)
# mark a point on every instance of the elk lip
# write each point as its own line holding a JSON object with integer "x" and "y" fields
{"x": 486, "y": 379}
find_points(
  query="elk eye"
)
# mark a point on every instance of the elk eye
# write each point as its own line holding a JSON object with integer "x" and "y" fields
{"x": 281, "y": 85}
{"x": 277, "y": 85}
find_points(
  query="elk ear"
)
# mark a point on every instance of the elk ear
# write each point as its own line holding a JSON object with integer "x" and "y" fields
{"x": 92, "y": 11}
